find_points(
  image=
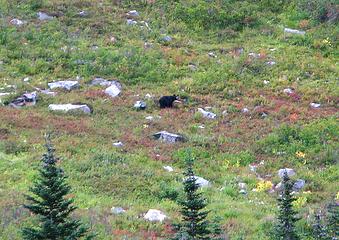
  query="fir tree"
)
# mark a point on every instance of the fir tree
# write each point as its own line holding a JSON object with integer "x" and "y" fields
{"x": 50, "y": 204}
{"x": 285, "y": 230}
{"x": 194, "y": 224}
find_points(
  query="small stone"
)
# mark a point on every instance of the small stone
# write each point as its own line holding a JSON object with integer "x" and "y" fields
{"x": 131, "y": 22}
{"x": 155, "y": 215}
{"x": 140, "y": 105}
{"x": 192, "y": 67}
{"x": 26, "y": 79}
{"x": 245, "y": 110}
{"x": 166, "y": 39}
{"x": 201, "y": 126}
{"x": 168, "y": 168}
{"x": 242, "y": 185}
{"x": 207, "y": 114}
{"x": 4, "y": 94}
{"x": 149, "y": 96}
{"x": 102, "y": 82}
{"x": 315, "y": 105}
{"x": 212, "y": 55}
{"x": 294, "y": 31}
{"x": 117, "y": 210}
{"x": 243, "y": 191}
{"x": 288, "y": 91}
{"x": 44, "y": 16}
{"x": 148, "y": 45}
{"x": 254, "y": 55}
{"x": 17, "y": 22}
{"x": 168, "y": 137}
{"x": 149, "y": 118}
{"x": 118, "y": 144}
{"x": 290, "y": 172}
{"x": 266, "y": 82}
{"x": 271, "y": 63}
{"x": 133, "y": 13}
{"x": 49, "y": 93}
{"x": 83, "y": 14}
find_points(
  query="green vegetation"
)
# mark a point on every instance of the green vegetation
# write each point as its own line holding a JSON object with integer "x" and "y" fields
{"x": 255, "y": 60}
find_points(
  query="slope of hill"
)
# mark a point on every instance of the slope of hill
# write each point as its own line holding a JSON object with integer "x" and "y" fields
{"x": 275, "y": 95}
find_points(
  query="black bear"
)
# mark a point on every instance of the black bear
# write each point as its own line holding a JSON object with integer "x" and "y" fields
{"x": 167, "y": 101}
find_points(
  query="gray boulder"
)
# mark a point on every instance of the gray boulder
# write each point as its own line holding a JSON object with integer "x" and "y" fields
{"x": 102, "y": 82}
{"x": 114, "y": 89}
{"x": 168, "y": 137}
{"x": 298, "y": 185}
{"x": 67, "y": 85}
{"x": 27, "y": 99}
{"x": 290, "y": 172}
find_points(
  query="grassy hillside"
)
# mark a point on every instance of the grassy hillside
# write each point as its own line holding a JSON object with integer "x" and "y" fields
{"x": 224, "y": 54}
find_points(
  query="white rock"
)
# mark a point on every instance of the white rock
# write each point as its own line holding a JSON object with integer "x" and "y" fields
{"x": 117, "y": 210}
{"x": 166, "y": 39}
{"x": 44, "y": 16}
{"x": 131, "y": 22}
{"x": 212, "y": 54}
{"x": 290, "y": 172}
{"x": 4, "y": 94}
{"x": 245, "y": 110}
{"x": 17, "y": 22}
{"x": 149, "y": 96}
{"x": 49, "y": 93}
{"x": 140, "y": 105}
{"x": 288, "y": 91}
{"x": 315, "y": 105}
{"x": 155, "y": 215}
{"x": 149, "y": 118}
{"x": 70, "y": 108}
{"x": 271, "y": 63}
{"x": 201, "y": 126}
{"x": 118, "y": 144}
{"x": 133, "y": 13}
{"x": 168, "y": 168}
{"x": 207, "y": 114}
{"x": 266, "y": 82}
{"x": 294, "y": 31}
{"x": 168, "y": 137}
{"x": 114, "y": 90}
{"x": 68, "y": 85}
{"x": 242, "y": 185}
{"x": 200, "y": 181}
{"x": 26, "y": 79}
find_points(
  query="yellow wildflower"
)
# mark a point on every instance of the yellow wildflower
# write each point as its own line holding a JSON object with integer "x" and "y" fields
{"x": 300, "y": 154}
{"x": 263, "y": 186}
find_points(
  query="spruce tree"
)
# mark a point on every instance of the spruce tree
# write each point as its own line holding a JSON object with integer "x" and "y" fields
{"x": 285, "y": 229}
{"x": 50, "y": 203}
{"x": 194, "y": 224}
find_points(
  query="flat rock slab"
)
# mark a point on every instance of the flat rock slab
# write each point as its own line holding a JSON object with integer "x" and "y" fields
{"x": 70, "y": 108}
{"x": 67, "y": 85}
{"x": 114, "y": 90}
{"x": 140, "y": 105}
{"x": 27, "y": 99}
{"x": 117, "y": 210}
{"x": 168, "y": 137}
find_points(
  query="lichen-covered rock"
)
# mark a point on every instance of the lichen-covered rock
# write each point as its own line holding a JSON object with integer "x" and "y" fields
{"x": 155, "y": 215}
{"x": 27, "y": 99}
{"x": 83, "y": 108}
{"x": 67, "y": 85}
{"x": 168, "y": 137}
{"x": 114, "y": 90}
